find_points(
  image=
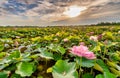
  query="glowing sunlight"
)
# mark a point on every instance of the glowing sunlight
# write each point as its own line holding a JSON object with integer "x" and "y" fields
{"x": 74, "y": 11}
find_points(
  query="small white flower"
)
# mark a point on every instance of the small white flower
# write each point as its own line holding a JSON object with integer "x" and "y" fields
{"x": 118, "y": 32}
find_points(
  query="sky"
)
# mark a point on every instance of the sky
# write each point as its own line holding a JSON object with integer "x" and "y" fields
{"x": 58, "y": 12}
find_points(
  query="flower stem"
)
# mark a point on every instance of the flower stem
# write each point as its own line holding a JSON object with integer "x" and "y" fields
{"x": 105, "y": 51}
{"x": 80, "y": 70}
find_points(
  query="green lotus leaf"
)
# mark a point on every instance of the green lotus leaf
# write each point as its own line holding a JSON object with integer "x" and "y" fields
{"x": 46, "y": 55}
{"x": 3, "y": 75}
{"x": 25, "y": 69}
{"x": 85, "y": 62}
{"x": 63, "y": 69}
{"x": 1, "y": 47}
{"x": 99, "y": 76}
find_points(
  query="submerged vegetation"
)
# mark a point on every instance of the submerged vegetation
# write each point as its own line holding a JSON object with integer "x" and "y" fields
{"x": 60, "y": 52}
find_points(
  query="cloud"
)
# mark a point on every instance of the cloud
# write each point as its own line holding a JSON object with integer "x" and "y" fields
{"x": 106, "y": 12}
{"x": 40, "y": 7}
{"x": 51, "y": 11}
{"x": 110, "y": 9}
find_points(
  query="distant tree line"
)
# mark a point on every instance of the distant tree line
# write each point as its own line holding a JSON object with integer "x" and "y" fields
{"x": 98, "y": 24}
{"x": 108, "y": 23}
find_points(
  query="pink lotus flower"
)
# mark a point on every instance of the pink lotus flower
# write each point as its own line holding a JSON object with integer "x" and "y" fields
{"x": 82, "y": 43}
{"x": 90, "y": 33}
{"x": 100, "y": 37}
{"x": 106, "y": 42}
{"x": 89, "y": 55}
{"x": 94, "y": 38}
{"x": 82, "y": 51}
{"x": 65, "y": 40}
{"x": 57, "y": 34}
{"x": 79, "y": 50}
